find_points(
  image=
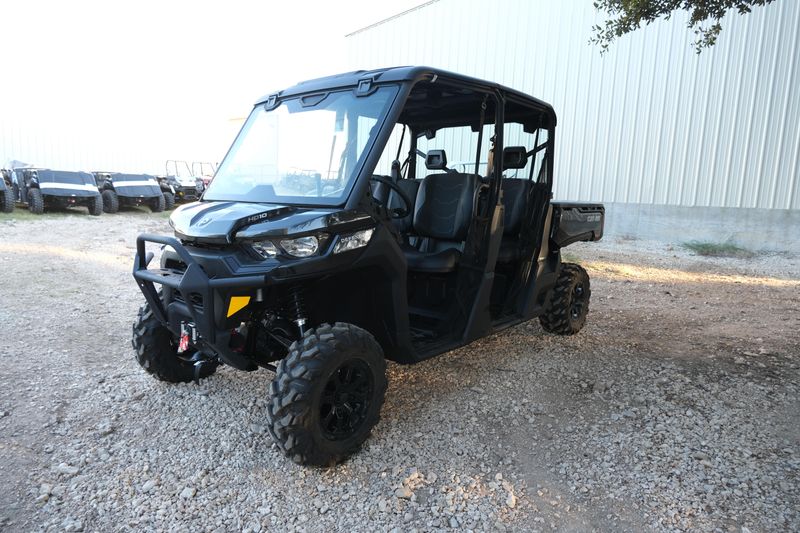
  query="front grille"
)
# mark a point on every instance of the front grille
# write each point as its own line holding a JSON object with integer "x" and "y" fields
{"x": 195, "y": 299}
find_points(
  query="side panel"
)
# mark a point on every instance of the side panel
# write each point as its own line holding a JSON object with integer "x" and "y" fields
{"x": 547, "y": 265}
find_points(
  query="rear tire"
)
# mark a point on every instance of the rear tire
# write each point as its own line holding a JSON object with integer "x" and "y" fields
{"x": 569, "y": 303}
{"x": 7, "y": 204}
{"x": 35, "y": 201}
{"x": 327, "y": 394}
{"x": 110, "y": 202}
{"x": 158, "y": 204}
{"x": 96, "y": 206}
{"x": 157, "y": 351}
{"x": 169, "y": 201}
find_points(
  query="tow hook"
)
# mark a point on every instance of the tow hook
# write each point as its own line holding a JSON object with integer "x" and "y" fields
{"x": 202, "y": 360}
{"x": 188, "y": 336}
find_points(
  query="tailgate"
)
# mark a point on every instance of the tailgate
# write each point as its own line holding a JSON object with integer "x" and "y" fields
{"x": 576, "y": 221}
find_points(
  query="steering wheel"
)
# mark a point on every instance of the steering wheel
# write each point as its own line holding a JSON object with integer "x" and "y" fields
{"x": 397, "y": 212}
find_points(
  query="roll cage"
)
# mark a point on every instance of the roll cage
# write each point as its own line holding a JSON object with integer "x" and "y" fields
{"x": 411, "y": 107}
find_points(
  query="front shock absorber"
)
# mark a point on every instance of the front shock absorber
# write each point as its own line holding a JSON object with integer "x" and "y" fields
{"x": 297, "y": 308}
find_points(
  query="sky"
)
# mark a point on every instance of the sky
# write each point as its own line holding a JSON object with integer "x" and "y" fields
{"x": 94, "y": 83}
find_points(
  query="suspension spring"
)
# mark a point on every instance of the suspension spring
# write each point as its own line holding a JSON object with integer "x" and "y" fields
{"x": 297, "y": 308}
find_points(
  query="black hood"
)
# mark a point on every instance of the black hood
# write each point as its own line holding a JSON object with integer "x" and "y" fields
{"x": 220, "y": 222}
{"x": 65, "y": 183}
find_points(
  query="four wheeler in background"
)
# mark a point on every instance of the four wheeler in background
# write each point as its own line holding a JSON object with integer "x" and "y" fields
{"x": 43, "y": 189}
{"x": 179, "y": 188}
{"x": 322, "y": 280}
{"x": 7, "y": 194}
{"x": 185, "y": 186}
{"x": 131, "y": 190}
{"x": 205, "y": 171}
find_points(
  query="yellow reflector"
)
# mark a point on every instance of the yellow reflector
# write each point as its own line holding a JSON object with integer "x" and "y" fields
{"x": 237, "y": 304}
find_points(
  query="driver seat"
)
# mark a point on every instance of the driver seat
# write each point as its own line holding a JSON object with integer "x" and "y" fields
{"x": 442, "y": 213}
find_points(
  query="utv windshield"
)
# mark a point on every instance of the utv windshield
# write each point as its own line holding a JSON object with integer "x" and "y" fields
{"x": 305, "y": 151}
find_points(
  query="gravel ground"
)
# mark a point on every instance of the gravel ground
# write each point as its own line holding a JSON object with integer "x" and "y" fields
{"x": 676, "y": 408}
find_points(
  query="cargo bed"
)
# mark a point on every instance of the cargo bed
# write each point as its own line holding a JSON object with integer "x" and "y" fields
{"x": 576, "y": 221}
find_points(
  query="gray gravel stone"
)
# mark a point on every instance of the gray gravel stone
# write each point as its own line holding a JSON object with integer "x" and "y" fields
{"x": 404, "y": 493}
{"x": 521, "y": 414}
{"x": 69, "y": 470}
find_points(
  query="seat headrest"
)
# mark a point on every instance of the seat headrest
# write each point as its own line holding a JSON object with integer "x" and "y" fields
{"x": 514, "y": 157}
{"x": 436, "y": 160}
{"x": 444, "y": 206}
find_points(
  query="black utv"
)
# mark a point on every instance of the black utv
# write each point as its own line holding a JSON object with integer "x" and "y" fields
{"x": 7, "y": 196}
{"x": 45, "y": 189}
{"x": 376, "y": 250}
{"x": 130, "y": 190}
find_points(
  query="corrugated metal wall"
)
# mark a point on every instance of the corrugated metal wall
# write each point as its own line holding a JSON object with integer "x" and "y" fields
{"x": 649, "y": 122}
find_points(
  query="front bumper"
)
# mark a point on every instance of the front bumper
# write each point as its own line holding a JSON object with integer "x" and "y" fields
{"x": 186, "y": 193}
{"x": 68, "y": 200}
{"x": 137, "y": 200}
{"x": 201, "y": 297}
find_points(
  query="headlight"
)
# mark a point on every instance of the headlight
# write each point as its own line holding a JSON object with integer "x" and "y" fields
{"x": 355, "y": 240}
{"x": 265, "y": 249}
{"x": 301, "y": 246}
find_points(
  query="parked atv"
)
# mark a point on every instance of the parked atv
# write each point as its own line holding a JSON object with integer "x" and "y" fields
{"x": 44, "y": 189}
{"x": 181, "y": 189}
{"x": 131, "y": 190}
{"x": 184, "y": 186}
{"x": 205, "y": 171}
{"x": 322, "y": 276}
{"x": 7, "y": 196}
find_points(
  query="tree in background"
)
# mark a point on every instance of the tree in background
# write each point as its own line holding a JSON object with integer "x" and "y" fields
{"x": 625, "y": 16}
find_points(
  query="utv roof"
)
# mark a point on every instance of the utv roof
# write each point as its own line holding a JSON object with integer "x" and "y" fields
{"x": 413, "y": 74}
{"x": 110, "y": 173}
{"x": 58, "y": 172}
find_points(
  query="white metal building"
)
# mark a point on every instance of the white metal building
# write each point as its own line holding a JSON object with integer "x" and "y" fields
{"x": 681, "y": 146}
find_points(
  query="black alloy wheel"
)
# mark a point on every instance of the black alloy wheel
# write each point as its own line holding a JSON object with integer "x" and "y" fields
{"x": 346, "y": 399}
{"x": 327, "y": 394}
{"x": 569, "y": 302}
